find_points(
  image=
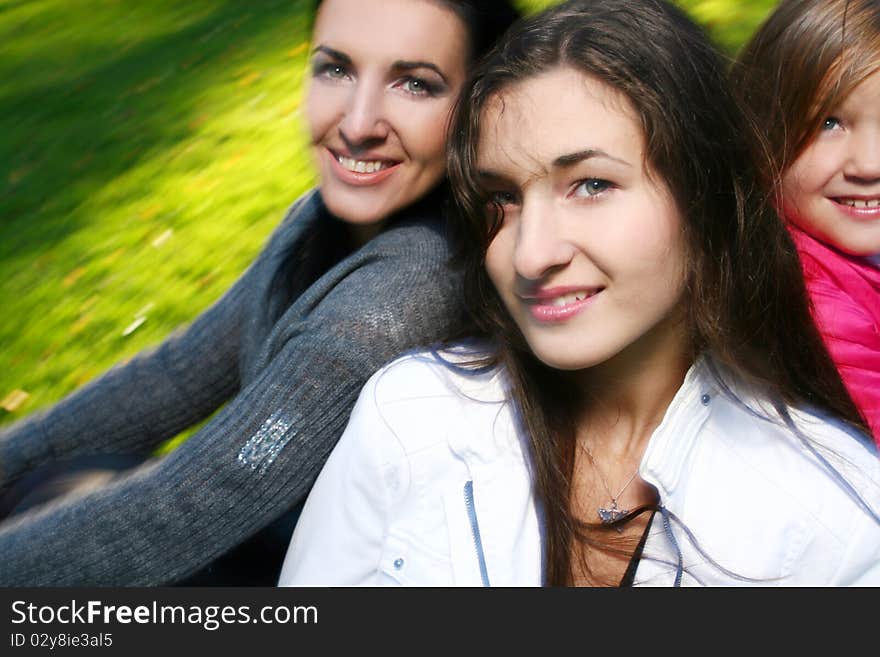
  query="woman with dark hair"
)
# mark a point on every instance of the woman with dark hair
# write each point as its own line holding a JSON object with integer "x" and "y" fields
{"x": 648, "y": 401}
{"x": 355, "y": 274}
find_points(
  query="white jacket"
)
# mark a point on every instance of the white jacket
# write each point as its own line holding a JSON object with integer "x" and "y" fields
{"x": 430, "y": 485}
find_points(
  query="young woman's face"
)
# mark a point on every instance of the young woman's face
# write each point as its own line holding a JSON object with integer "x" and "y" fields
{"x": 589, "y": 260}
{"x": 832, "y": 191}
{"x": 385, "y": 74}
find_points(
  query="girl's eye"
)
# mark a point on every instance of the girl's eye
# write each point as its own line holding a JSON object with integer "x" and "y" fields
{"x": 418, "y": 86}
{"x": 591, "y": 187}
{"x": 831, "y": 123}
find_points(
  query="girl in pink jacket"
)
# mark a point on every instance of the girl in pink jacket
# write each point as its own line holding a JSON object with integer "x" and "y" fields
{"x": 811, "y": 75}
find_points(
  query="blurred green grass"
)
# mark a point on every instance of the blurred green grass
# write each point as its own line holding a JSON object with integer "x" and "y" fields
{"x": 147, "y": 149}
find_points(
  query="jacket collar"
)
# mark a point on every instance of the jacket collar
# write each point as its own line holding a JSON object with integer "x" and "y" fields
{"x": 669, "y": 447}
{"x": 674, "y": 440}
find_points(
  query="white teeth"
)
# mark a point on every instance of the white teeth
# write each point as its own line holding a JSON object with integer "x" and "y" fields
{"x": 567, "y": 299}
{"x": 859, "y": 203}
{"x": 361, "y": 166}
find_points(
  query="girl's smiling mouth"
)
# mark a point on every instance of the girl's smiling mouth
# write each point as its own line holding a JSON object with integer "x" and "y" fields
{"x": 863, "y": 207}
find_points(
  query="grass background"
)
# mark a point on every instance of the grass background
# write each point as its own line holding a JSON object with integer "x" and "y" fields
{"x": 147, "y": 149}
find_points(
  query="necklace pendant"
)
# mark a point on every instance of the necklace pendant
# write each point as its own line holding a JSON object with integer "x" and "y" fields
{"x": 608, "y": 516}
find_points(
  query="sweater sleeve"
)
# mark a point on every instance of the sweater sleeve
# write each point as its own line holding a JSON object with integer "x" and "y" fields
{"x": 258, "y": 455}
{"x": 152, "y": 397}
{"x": 134, "y": 406}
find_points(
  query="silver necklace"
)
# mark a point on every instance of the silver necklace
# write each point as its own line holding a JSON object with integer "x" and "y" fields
{"x": 609, "y": 514}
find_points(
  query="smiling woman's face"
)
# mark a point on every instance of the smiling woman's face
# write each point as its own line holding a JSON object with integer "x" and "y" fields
{"x": 385, "y": 75}
{"x": 590, "y": 257}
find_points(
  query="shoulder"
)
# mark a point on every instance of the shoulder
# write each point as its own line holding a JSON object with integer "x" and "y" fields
{"x": 815, "y": 465}
{"x": 298, "y": 217}
{"x": 420, "y": 233}
{"x": 308, "y": 203}
{"x": 797, "y": 441}
{"x": 847, "y": 452}
{"x": 767, "y": 496}
{"x": 427, "y": 397}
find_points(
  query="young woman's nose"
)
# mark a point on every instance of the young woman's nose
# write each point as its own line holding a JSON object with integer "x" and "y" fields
{"x": 863, "y": 165}
{"x": 364, "y": 122}
{"x": 540, "y": 246}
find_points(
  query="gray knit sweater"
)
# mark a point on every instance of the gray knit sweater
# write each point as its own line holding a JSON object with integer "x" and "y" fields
{"x": 290, "y": 386}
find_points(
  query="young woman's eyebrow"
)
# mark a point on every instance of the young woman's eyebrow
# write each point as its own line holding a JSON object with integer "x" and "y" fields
{"x": 335, "y": 54}
{"x": 563, "y": 162}
{"x": 405, "y": 65}
{"x": 570, "y": 159}
{"x": 489, "y": 176}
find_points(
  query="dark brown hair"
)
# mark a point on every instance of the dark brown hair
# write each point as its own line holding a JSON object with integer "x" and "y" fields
{"x": 484, "y": 20}
{"x": 746, "y": 301}
{"x": 801, "y": 63}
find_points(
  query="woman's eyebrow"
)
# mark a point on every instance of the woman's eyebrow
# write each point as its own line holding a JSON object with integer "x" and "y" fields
{"x": 570, "y": 159}
{"x": 335, "y": 54}
{"x": 487, "y": 175}
{"x": 405, "y": 65}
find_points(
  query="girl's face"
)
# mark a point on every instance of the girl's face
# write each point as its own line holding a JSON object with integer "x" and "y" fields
{"x": 832, "y": 191}
{"x": 589, "y": 260}
{"x": 385, "y": 74}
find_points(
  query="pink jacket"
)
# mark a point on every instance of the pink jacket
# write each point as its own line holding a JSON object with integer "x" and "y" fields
{"x": 845, "y": 291}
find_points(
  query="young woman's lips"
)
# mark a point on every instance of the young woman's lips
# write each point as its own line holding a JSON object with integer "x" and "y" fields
{"x": 552, "y": 305}
{"x": 858, "y": 207}
{"x": 361, "y": 171}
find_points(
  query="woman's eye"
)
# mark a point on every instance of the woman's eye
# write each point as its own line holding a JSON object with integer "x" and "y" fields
{"x": 502, "y": 198}
{"x": 330, "y": 70}
{"x": 418, "y": 87}
{"x": 591, "y": 187}
{"x": 831, "y": 123}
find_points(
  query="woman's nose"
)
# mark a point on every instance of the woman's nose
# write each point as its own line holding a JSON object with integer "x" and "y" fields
{"x": 364, "y": 121}
{"x": 541, "y": 246}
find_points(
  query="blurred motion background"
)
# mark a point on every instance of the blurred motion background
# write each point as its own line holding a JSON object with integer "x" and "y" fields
{"x": 147, "y": 150}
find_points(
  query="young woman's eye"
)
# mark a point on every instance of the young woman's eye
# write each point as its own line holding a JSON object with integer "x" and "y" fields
{"x": 591, "y": 187}
{"x": 418, "y": 86}
{"x": 502, "y": 198}
{"x": 831, "y": 123}
{"x": 330, "y": 70}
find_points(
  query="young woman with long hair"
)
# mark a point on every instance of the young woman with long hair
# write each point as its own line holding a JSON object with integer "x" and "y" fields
{"x": 355, "y": 274}
{"x": 647, "y": 400}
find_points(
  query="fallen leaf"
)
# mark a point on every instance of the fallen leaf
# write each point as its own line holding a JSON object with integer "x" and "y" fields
{"x": 134, "y": 326}
{"x": 249, "y": 79}
{"x": 161, "y": 239}
{"x": 14, "y": 400}
{"x": 150, "y": 211}
{"x": 293, "y": 52}
{"x": 73, "y": 276}
{"x": 81, "y": 323}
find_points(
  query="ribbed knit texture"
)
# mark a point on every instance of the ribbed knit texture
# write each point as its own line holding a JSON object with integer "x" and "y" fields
{"x": 290, "y": 387}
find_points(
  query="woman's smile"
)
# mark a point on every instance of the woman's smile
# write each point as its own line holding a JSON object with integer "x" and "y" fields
{"x": 559, "y": 304}
{"x": 360, "y": 171}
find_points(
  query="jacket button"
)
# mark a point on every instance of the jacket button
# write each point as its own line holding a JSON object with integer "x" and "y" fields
{"x": 398, "y": 563}
{"x": 705, "y": 400}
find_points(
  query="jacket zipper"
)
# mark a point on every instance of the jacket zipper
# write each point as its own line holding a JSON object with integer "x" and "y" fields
{"x": 475, "y": 531}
